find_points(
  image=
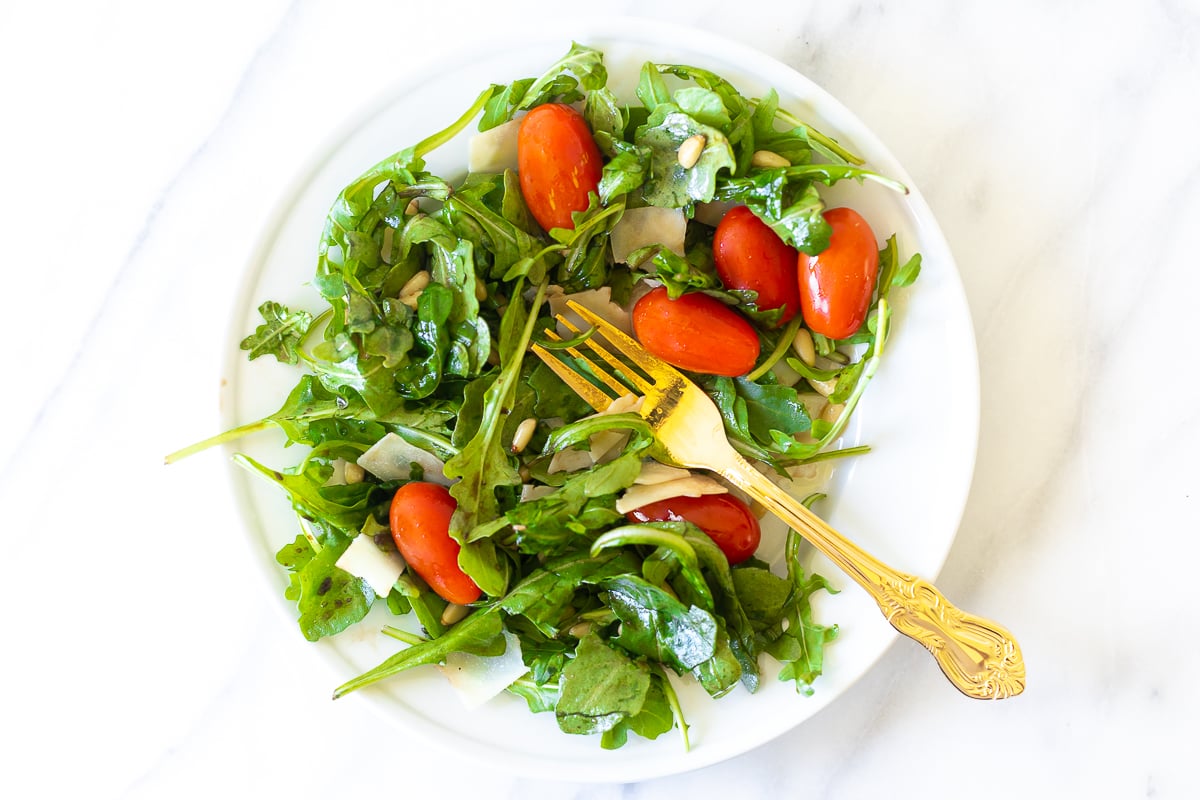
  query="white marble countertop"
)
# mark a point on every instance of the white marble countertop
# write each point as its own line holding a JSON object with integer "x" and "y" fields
{"x": 145, "y": 144}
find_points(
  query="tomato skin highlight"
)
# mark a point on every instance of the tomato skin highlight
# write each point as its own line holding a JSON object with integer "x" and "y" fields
{"x": 727, "y": 521}
{"x": 420, "y": 521}
{"x": 696, "y": 332}
{"x": 749, "y": 255}
{"x": 558, "y": 164}
{"x": 836, "y": 285}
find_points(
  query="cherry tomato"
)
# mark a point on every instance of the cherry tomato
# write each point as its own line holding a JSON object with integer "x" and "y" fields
{"x": 836, "y": 285}
{"x": 558, "y": 164}
{"x": 420, "y": 520}
{"x": 695, "y": 332}
{"x": 750, "y": 255}
{"x": 726, "y": 520}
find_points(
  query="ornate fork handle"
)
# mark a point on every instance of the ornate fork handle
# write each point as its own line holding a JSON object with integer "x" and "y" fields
{"x": 979, "y": 657}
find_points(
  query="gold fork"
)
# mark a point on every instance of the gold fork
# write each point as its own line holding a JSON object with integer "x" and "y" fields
{"x": 979, "y": 657}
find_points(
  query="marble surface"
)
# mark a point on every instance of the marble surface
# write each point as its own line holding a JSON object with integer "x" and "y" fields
{"x": 144, "y": 147}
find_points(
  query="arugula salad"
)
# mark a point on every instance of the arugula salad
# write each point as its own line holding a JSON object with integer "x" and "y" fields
{"x": 450, "y": 476}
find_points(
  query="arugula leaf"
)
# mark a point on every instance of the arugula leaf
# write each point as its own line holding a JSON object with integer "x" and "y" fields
{"x": 800, "y": 645}
{"x": 542, "y": 596}
{"x": 791, "y": 208}
{"x": 655, "y": 718}
{"x": 719, "y": 674}
{"x": 763, "y": 596}
{"x": 668, "y": 184}
{"x": 329, "y": 599}
{"x": 582, "y": 505}
{"x": 481, "y": 634}
{"x": 484, "y": 463}
{"x": 581, "y": 67}
{"x": 772, "y": 407}
{"x": 344, "y": 507}
{"x": 656, "y": 625}
{"x": 679, "y": 275}
{"x": 280, "y": 334}
{"x": 600, "y": 688}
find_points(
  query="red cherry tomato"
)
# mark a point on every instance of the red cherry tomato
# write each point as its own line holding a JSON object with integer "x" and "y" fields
{"x": 420, "y": 520}
{"x": 749, "y": 255}
{"x": 558, "y": 164}
{"x": 695, "y": 332}
{"x": 726, "y": 520}
{"x": 836, "y": 285}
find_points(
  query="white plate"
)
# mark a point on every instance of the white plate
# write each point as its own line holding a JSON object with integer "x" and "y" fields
{"x": 902, "y": 502}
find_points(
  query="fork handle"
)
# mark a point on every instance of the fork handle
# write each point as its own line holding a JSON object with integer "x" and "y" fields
{"x": 980, "y": 657}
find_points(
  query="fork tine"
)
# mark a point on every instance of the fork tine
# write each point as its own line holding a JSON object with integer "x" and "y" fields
{"x": 628, "y": 347}
{"x": 580, "y": 385}
{"x": 637, "y": 380}
{"x": 603, "y": 376}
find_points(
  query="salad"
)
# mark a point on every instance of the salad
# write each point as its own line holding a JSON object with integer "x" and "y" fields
{"x": 449, "y": 476}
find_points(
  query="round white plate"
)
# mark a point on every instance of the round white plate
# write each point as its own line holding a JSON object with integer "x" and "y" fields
{"x": 902, "y": 502}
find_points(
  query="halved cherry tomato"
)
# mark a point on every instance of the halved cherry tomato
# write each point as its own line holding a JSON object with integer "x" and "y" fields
{"x": 749, "y": 255}
{"x": 836, "y": 285}
{"x": 695, "y": 332}
{"x": 558, "y": 164}
{"x": 725, "y": 519}
{"x": 420, "y": 521}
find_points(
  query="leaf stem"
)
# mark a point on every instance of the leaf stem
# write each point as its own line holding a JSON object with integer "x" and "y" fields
{"x": 781, "y": 347}
{"x": 431, "y": 143}
{"x": 407, "y": 637}
{"x": 821, "y": 141}
{"x": 221, "y": 438}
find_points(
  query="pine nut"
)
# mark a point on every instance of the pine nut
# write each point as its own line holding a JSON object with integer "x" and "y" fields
{"x": 804, "y": 347}
{"x": 824, "y": 388}
{"x": 768, "y": 160}
{"x": 480, "y": 290}
{"x": 412, "y": 208}
{"x": 832, "y": 412}
{"x": 690, "y": 150}
{"x": 580, "y": 629}
{"x": 523, "y": 434}
{"x": 454, "y": 613}
{"x": 354, "y": 473}
{"x": 413, "y": 288}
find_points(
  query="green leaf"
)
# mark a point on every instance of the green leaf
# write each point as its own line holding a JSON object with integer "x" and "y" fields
{"x": 329, "y": 599}
{"x": 481, "y": 634}
{"x": 772, "y": 407}
{"x": 791, "y": 208}
{"x": 668, "y": 183}
{"x": 655, "y": 718}
{"x": 600, "y": 688}
{"x": 762, "y": 594}
{"x": 800, "y": 645}
{"x": 345, "y": 507}
{"x": 484, "y": 462}
{"x": 703, "y": 105}
{"x": 656, "y": 625}
{"x": 542, "y": 596}
{"x": 280, "y": 334}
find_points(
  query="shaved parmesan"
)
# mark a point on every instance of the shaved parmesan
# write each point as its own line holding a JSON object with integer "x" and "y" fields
{"x": 598, "y": 301}
{"x": 711, "y": 213}
{"x": 641, "y": 227}
{"x": 534, "y": 491}
{"x": 570, "y": 460}
{"x": 391, "y": 459}
{"x": 494, "y": 150}
{"x": 654, "y": 472}
{"x": 379, "y": 568}
{"x": 640, "y": 495}
{"x": 607, "y": 445}
{"x": 478, "y": 679}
